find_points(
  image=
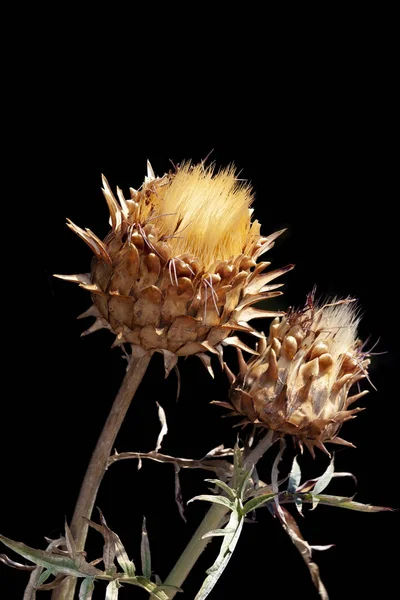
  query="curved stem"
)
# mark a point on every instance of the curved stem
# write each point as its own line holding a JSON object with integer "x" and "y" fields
{"x": 212, "y": 520}
{"x": 98, "y": 463}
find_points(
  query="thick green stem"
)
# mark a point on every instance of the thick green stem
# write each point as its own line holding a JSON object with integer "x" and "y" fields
{"x": 212, "y": 520}
{"x": 195, "y": 547}
{"x": 98, "y": 463}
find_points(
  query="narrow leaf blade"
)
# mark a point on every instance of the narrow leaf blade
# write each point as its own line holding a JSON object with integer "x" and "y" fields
{"x": 145, "y": 554}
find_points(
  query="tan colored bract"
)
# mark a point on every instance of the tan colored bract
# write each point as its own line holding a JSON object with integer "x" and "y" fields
{"x": 177, "y": 273}
{"x": 299, "y": 384}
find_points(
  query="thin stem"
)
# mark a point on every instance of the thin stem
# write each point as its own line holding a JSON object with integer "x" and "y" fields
{"x": 212, "y": 520}
{"x": 98, "y": 463}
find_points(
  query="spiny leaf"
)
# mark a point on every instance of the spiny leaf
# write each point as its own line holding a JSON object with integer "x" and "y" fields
{"x": 257, "y": 502}
{"x": 62, "y": 564}
{"x": 86, "y": 589}
{"x": 215, "y": 499}
{"x": 343, "y": 502}
{"x": 224, "y": 486}
{"x": 145, "y": 554}
{"x": 229, "y": 542}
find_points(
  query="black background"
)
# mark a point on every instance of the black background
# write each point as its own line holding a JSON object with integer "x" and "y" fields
{"x": 315, "y": 135}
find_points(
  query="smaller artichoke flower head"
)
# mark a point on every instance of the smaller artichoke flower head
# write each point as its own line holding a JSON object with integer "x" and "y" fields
{"x": 177, "y": 273}
{"x": 299, "y": 384}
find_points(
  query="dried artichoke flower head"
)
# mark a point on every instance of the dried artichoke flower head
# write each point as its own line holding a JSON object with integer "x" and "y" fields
{"x": 299, "y": 384}
{"x": 177, "y": 273}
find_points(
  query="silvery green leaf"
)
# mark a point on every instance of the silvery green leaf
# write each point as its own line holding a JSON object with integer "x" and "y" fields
{"x": 229, "y": 542}
{"x": 343, "y": 502}
{"x": 241, "y": 492}
{"x": 61, "y": 564}
{"x": 145, "y": 554}
{"x": 257, "y": 502}
{"x": 325, "y": 478}
{"x": 217, "y": 532}
{"x": 86, "y": 589}
{"x": 215, "y": 499}
{"x": 44, "y": 576}
{"x": 112, "y": 590}
{"x": 128, "y": 566}
{"x": 294, "y": 477}
{"x": 224, "y": 486}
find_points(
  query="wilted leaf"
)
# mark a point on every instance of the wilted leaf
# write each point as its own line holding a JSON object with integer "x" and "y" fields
{"x": 290, "y": 526}
{"x": 11, "y": 563}
{"x": 145, "y": 554}
{"x": 70, "y": 542}
{"x": 109, "y": 548}
{"x": 164, "y": 427}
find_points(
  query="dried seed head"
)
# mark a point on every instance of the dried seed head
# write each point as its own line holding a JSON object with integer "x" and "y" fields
{"x": 177, "y": 273}
{"x": 300, "y": 382}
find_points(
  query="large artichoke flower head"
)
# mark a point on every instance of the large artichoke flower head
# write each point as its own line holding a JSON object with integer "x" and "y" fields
{"x": 300, "y": 383}
{"x": 177, "y": 273}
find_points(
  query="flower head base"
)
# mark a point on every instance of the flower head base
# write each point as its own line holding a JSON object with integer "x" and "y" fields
{"x": 177, "y": 273}
{"x": 299, "y": 384}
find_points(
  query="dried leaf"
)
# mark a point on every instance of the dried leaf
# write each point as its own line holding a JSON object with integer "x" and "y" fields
{"x": 292, "y": 529}
{"x": 109, "y": 548}
{"x": 11, "y": 563}
{"x": 164, "y": 427}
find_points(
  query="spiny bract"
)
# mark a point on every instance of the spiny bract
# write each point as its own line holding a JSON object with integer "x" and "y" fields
{"x": 299, "y": 384}
{"x": 177, "y": 273}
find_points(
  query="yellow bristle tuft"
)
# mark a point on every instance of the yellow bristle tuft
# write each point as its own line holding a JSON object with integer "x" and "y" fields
{"x": 206, "y": 214}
